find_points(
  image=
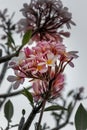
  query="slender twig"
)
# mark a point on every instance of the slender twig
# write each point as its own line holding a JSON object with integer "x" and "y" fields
{"x": 8, "y": 57}
{"x": 14, "y": 126}
{"x": 61, "y": 113}
{"x": 5, "y": 97}
{"x": 41, "y": 114}
{"x": 3, "y": 72}
{"x": 67, "y": 118}
{"x": 12, "y": 94}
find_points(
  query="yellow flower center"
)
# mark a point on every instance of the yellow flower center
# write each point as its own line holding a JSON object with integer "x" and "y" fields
{"x": 39, "y": 67}
{"x": 49, "y": 61}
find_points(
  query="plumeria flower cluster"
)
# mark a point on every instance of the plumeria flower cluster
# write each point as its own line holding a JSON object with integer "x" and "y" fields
{"x": 44, "y": 65}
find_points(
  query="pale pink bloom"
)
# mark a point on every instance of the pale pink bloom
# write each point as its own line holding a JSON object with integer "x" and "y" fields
{"x": 43, "y": 62}
{"x": 17, "y": 79}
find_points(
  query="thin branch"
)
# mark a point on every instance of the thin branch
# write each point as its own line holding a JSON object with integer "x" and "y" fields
{"x": 62, "y": 112}
{"x": 8, "y": 57}
{"x": 14, "y": 126}
{"x": 41, "y": 114}
{"x": 67, "y": 118}
{"x": 1, "y": 103}
{"x": 12, "y": 94}
{"x": 3, "y": 72}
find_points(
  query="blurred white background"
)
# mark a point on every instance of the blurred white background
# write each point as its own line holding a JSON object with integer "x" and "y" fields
{"x": 75, "y": 77}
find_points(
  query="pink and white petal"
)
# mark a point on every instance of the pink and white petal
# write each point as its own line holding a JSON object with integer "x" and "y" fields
{"x": 36, "y": 97}
{"x": 22, "y": 80}
{"x": 50, "y": 55}
{"x": 22, "y": 55}
{"x": 22, "y": 75}
{"x": 16, "y": 73}
{"x": 11, "y": 78}
{"x": 43, "y": 70}
{"x": 42, "y": 63}
{"x": 16, "y": 84}
{"x": 35, "y": 87}
{"x": 12, "y": 64}
{"x": 71, "y": 64}
{"x": 34, "y": 71}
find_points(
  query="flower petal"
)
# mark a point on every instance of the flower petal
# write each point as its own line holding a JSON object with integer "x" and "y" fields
{"x": 16, "y": 84}
{"x": 11, "y": 78}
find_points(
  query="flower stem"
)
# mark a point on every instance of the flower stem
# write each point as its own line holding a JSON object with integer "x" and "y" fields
{"x": 41, "y": 115}
{"x": 31, "y": 117}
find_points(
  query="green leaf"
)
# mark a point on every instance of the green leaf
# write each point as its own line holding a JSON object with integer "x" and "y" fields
{"x": 70, "y": 93}
{"x": 54, "y": 108}
{"x": 8, "y": 110}
{"x": 29, "y": 96}
{"x": 10, "y": 38}
{"x": 81, "y": 118}
{"x": 26, "y": 37}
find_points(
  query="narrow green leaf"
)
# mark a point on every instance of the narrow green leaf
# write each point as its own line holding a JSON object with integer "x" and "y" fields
{"x": 54, "y": 108}
{"x": 8, "y": 110}
{"x": 70, "y": 93}
{"x": 11, "y": 38}
{"x": 81, "y": 118}
{"x": 29, "y": 96}
{"x": 26, "y": 37}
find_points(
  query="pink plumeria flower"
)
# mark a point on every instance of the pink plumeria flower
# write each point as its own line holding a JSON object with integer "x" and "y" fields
{"x": 17, "y": 80}
{"x": 51, "y": 59}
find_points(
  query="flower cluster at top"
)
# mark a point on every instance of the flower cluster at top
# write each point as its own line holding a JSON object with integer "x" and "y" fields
{"x": 45, "y": 62}
{"x": 46, "y": 19}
